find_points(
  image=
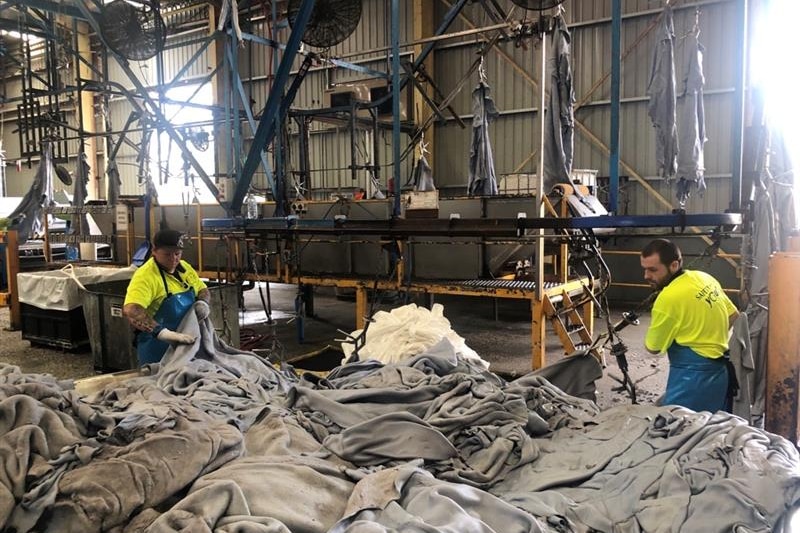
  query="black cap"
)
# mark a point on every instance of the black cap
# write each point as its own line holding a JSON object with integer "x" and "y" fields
{"x": 168, "y": 238}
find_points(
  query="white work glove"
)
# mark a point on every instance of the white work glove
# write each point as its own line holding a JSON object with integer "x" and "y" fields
{"x": 167, "y": 335}
{"x": 201, "y": 309}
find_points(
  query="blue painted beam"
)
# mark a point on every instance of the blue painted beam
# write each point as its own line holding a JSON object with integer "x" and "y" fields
{"x": 192, "y": 60}
{"x": 252, "y": 122}
{"x": 448, "y": 19}
{"x": 266, "y": 127}
{"x": 338, "y": 62}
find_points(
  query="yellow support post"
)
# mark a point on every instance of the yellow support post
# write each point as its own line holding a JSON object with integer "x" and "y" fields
{"x": 361, "y": 306}
{"x": 783, "y": 352}
{"x": 538, "y": 326}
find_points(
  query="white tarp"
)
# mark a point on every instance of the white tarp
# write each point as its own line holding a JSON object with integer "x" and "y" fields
{"x": 58, "y": 290}
{"x": 407, "y": 331}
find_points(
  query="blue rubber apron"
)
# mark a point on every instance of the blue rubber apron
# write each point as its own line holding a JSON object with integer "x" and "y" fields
{"x": 148, "y": 348}
{"x": 696, "y": 382}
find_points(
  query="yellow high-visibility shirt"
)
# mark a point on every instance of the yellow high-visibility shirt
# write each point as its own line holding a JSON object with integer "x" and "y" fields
{"x": 693, "y": 311}
{"x": 147, "y": 288}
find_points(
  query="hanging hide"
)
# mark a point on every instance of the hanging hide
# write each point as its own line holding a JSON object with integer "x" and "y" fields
{"x": 661, "y": 91}
{"x": 114, "y": 182}
{"x": 560, "y": 124}
{"x": 27, "y": 217}
{"x": 692, "y": 124}
{"x": 423, "y": 176}
{"x": 482, "y": 178}
{"x": 80, "y": 224}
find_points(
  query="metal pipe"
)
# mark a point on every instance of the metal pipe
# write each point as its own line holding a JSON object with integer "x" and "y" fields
{"x": 613, "y": 159}
{"x": 435, "y": 39}
{"x": 353, "y": 152}
{"x": 737, "y": 137}
{"x": 395, "y": 21}
{"x": 540, "y": 194}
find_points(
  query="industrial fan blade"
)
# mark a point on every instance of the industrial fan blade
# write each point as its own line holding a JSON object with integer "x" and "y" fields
{"x": 133, "y": 29}
{"x": 332, "y": 21}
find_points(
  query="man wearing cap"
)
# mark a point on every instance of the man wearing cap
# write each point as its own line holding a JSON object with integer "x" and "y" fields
{"x": 159, "y": 295}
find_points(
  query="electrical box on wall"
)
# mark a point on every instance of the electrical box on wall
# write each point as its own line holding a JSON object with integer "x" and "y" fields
{"x": 346, "y": 94}
{"x": 373, "y": 90}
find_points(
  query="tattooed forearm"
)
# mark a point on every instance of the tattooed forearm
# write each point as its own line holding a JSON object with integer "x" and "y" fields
{"x": 204, "y": 295}
{"x": 138, "y": 317}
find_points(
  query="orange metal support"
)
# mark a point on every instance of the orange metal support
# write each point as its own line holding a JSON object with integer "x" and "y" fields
{"x": 783, "y": 353}
{"x": 361, "y": 306}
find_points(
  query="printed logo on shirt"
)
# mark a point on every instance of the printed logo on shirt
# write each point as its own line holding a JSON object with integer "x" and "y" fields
{"x": 709, "y": 294}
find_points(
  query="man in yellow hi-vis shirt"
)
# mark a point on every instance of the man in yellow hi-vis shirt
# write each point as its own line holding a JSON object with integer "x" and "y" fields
{"x": 691, "y": 318}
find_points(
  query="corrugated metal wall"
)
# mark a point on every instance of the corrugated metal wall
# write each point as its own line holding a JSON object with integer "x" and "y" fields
{"x": 511, "y": 71}
{"x": 515, "y": 133}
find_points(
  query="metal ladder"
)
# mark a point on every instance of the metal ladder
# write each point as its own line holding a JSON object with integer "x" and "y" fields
{"x": 569, "y": 325}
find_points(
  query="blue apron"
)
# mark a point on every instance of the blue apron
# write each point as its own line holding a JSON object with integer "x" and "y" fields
{"x": 696, "y": 382}
{"x": 174, "y": 307}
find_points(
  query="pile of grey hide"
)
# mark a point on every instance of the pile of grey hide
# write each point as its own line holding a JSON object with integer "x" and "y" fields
{"x": 218, "y": 440}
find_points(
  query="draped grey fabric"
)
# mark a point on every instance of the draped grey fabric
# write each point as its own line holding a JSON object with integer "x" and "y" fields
{"x": 782, "y": 186}
{"x": 114, "y": 182}
{"x": 423, "y": 176}
{"x": 662, "y": 94}
{"x": 80, "y": 225}
{"x": 741, "y": 354}
{"x": 692, "y": 122}
{"x": 758, "y": 247}
{"x": 217, "y": 440}
{"x": 27, "y": 217}
{"x": 560, "y": 124}
{"x": 482, "y": 178}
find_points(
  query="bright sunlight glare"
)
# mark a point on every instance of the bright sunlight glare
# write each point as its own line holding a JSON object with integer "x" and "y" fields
{"x": 174, "y": 189}
{"x": 775, "y": 41}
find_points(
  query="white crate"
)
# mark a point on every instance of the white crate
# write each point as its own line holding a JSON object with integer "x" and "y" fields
{"x": 422, "y": 200}
{"x": 518, "y": 184}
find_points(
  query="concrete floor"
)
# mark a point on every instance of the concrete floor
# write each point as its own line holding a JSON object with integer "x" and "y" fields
{"x": 505, "y": 343}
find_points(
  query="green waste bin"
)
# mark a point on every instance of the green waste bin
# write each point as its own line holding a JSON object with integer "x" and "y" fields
{"x": 111, "y": 335}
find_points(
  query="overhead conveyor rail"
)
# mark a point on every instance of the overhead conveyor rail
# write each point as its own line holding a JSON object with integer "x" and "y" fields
{"x": 499, "y": 227}
{"x": 562, "y": 292}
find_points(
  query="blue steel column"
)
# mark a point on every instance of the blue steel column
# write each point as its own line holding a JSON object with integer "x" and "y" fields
{"x": 737, "y": 139}
{"x": 245, "y": 102}
{"x": 448, "y": 19}
{"x": 613, "y": 158}
{"x": 266, "y": 127}
{"x": 227, "y": 145}
{"x": 396, "y": 104}
{"x": 233, "y": 48}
